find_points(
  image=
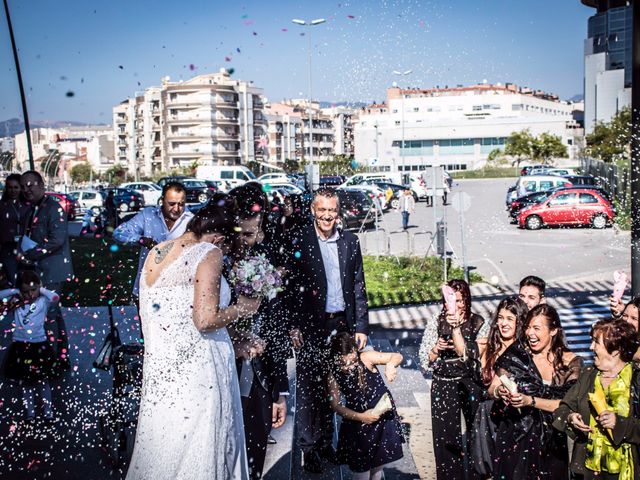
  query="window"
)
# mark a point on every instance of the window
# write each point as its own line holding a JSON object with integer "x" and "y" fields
{"x": 516, "y": 107}
{"x": 226, "y": 174}
{"x": 416, "y": 109}
{"x": 562, "y": 200}
{"x": 546, "y": 186}
{"x": 397, "y": 122}
{"x": 477, "y": 108}
{"x": 89, "y": 195}
{"x": 241, "y": 176}
{"x": 587, "y": 198}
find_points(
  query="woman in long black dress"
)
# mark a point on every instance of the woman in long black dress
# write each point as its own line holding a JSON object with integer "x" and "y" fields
{"x": 446, "y": 350}
{"x": 368, "y": 439}
{"x": 544, "y": 369}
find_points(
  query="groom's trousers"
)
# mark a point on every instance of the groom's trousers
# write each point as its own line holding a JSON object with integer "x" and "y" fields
{"x": 314, "y": 416}
{"x": 256, "y": 411}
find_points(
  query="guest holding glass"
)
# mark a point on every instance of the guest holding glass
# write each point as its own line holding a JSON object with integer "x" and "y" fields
{"x": 606, "y": 438}
{"x": 543, "y": 369}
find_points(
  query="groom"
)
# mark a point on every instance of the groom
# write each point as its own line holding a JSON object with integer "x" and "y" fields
{"x": 330, "y": 297}
{"x": 264, "y": 384}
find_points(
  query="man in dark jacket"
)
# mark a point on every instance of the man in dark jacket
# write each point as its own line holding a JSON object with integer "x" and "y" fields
{"x": 328, "y": 296}
{"x": 45, "y": 247}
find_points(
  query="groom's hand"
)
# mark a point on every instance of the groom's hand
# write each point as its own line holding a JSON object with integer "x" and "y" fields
{"x": 296, "y": 338}
{"x": 279, "y": 412}
{"x": 361, "y": 340}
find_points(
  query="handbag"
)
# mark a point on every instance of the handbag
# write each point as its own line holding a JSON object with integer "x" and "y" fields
{"x": 104, "y": 360}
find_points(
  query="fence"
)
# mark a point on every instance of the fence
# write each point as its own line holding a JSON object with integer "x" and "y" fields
{"x": 614, "y": 179}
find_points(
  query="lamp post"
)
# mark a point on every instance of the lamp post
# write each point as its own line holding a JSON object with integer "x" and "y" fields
{"x": 402, "y": 74}
{"x": 635, "y": 152}
{"x": 23, "y": 99}
{"x": 310, "y": 23}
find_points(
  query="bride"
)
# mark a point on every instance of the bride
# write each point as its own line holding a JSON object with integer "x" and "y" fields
{"x": 190, "y": 420}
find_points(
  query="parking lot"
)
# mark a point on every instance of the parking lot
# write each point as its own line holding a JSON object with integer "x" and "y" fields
{"x": 500, "y": 249}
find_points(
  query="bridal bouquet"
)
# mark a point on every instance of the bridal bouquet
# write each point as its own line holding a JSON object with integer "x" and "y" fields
{"x": 255, "y": 277}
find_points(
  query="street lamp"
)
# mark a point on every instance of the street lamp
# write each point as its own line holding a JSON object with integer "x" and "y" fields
{"x": 402, "y": 74}
{"x": 311, "y": 23}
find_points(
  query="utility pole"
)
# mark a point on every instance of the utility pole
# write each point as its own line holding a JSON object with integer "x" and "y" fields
{"x": 23, "y": 99}
{"x": 635, "y": 153}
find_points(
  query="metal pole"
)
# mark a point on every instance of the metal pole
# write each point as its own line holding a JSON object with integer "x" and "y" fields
{"x": 402, "y": 152}
{"x": 310, "y": 97}
{"x": 635, "y": 153}
{"x": 23, "y": 99}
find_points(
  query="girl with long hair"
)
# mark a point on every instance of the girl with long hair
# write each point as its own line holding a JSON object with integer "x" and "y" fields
{"x": 542, "y": 368}
{"x": 446, "y": 350}
{"x": 507, "y": 327}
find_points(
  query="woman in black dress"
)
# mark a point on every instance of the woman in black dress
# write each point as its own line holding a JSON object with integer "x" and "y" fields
{"x": 543, "y": 369}
{"x": 447, "y": 349}
{"x": 368, "y": 439}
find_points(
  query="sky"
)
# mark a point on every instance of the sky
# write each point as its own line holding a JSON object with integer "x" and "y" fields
{"x": 79, "y": 58}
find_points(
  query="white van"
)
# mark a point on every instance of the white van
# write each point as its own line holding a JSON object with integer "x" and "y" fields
{"x": 536, "y": 183}
{"x": 234, "y": 175}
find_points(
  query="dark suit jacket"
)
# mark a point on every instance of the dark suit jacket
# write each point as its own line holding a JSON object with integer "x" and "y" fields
{"x": 270, "y": 368}
{"x": 48, "y": 228}
{"x": 308, "y": 293}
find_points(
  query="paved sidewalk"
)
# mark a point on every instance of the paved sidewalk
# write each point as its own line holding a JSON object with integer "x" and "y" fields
{"x": 69, "y": 448}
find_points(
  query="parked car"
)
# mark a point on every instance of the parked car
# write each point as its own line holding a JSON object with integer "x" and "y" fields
{"x": 289, "y": 189}
{"x": 151, "y": 192}
{"x": 275, "y": 178}
{"x": 86, "y": 199}
{"x": 126, "y": 200}
{"x": 563, "y": 172}
{"x": 68, "y": 204}
{"x": 197, "y": 190}
{"x": 586, "y": 180}
{"x": 374, "y": 193}
{"x": 535, "y": 183}
{"x": 331, "y": 181}
{"x": 526, "y": 201}
{"x": 355, "y": 208}
{"x": 218, "y": 185}
{"x": 579, "y": 206}
{"x": 397, "y": 191}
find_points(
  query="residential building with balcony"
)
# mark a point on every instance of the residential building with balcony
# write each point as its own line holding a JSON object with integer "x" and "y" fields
{"x": 456, "y": 127}
{"x": 207, "y": 120}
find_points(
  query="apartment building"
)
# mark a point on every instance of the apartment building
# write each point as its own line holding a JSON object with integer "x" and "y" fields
{"x": 91, "y": 143}
{"x": 210, "y": 119}
{"x": 456, "y": 127}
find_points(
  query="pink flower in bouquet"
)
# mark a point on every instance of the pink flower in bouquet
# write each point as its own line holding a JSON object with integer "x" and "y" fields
{"x": 256, "y": 277}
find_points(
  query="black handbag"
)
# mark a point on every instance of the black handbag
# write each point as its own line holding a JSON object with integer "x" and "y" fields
{"x": 104, "y": 360}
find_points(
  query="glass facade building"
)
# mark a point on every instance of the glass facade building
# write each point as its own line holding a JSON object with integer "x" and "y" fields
{"x": 611, "y": 32}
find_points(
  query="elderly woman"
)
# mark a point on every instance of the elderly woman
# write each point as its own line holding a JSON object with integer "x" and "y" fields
{"x": 605, "y": 443}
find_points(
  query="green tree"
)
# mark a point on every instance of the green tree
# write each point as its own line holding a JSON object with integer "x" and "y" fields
{"x": 81, "y": 173}
{"x": 547, "y": 146}
{"x": 291, "y": 165}
{"x": 519, "y": 146}
{"x": 611, "y": 141}
{"x": 116, "y": 174}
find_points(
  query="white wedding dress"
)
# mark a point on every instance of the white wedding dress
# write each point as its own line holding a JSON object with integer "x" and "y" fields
{"x": 190, "y": 422}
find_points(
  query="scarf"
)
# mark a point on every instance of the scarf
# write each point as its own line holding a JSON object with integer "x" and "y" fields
{"x": 601, "y": 454}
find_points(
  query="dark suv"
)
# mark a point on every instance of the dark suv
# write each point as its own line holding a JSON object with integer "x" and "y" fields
{"x": 125, "y": 200}
{"x": 354, "y": 207}
{"x": 197, "y": 190}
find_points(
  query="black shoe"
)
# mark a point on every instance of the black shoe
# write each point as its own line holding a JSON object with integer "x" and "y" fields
{"x": 329, "y": 454}
{"x": 312, "y": 462}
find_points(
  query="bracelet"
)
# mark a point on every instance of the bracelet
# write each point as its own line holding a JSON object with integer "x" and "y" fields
{"x": 496, "y": 395}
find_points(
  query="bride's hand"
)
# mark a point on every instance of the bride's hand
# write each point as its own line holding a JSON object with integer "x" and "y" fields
{"x": 247, "y": 306}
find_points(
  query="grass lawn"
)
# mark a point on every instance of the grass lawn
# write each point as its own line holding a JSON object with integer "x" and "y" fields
{"x": 106, "y": 270}
{"x": 102, "y": 269}
{"x": 393, "y": 281}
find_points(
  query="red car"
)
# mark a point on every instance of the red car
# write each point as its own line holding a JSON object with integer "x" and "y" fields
{"x": 68, "y": 205}
{"x": 577, "y": 206}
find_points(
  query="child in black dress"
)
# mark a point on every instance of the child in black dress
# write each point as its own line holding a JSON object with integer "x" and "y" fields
{"x": 30, "y": 359}
{"x": 368, "y": 439}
